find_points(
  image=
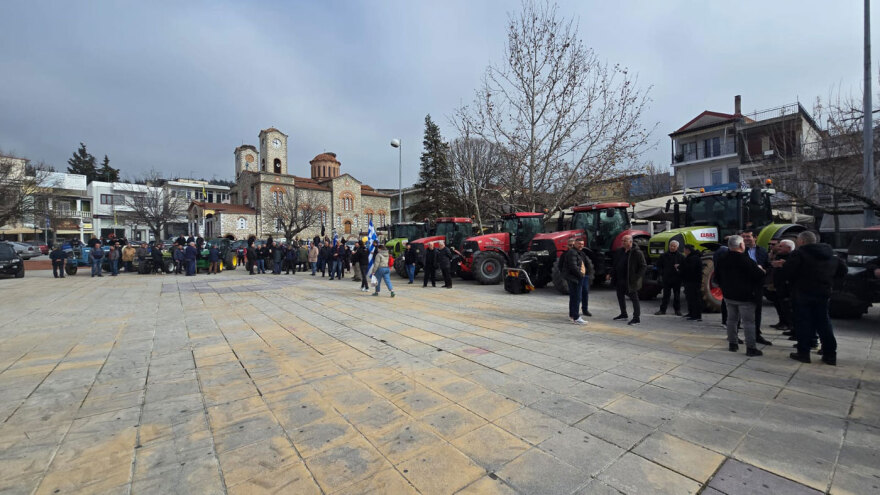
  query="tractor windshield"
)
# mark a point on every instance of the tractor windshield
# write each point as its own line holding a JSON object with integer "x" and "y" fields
{"x": 455, "y": 233}
{"x": 522, "y": 230}
{"x": 410, "y": 232}
{"x": 720, "y": 211}
{"x": 601, "y": 226}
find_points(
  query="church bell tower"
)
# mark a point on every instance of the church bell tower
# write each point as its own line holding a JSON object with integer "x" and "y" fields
{"x": 273, "y": 151}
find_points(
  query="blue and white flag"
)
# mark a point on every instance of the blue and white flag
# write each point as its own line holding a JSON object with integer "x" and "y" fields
{"x": 371, "y": 238}
{"x": 335, "y": 239}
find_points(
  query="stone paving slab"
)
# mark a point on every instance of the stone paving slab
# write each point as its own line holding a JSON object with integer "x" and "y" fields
{"x": 293, "y": 384}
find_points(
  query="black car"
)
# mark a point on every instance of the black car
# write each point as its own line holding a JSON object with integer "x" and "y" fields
{"x": 861, "y": 287}
{"x": 10, "y": 262}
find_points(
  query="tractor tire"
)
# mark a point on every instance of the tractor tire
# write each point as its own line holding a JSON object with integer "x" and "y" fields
{"x": 400, "y": 268}
{"x": 710, "y": 292}
{"x": 144, "y": 267}
{"x": 540, "y": 282}
{"x": 231, "y": 261}
{"x": 488, "y": 268}
{"x": 846, "y": 310}
{"x": 70, "y": 268}
{"x": 558, "y": 280}
{"x": 169, "y": 266}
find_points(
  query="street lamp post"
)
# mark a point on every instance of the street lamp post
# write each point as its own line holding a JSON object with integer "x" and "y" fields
{"x": 395, "y": 143}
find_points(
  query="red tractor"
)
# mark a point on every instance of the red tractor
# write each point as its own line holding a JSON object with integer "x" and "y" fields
{"x": 602, "y": 224}
{"x": 485, "y": 256}
{"x": 451, "y": 230}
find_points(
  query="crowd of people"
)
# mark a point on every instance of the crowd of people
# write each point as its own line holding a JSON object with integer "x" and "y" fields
{"x": 799, "y": 274}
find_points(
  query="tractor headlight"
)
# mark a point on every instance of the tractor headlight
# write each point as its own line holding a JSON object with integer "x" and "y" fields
{"x": 656, "y": 250}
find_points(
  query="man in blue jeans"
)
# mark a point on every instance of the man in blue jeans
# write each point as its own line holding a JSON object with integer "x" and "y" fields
{"x": 577, "y": 271}
{"x": 96, "y": 256}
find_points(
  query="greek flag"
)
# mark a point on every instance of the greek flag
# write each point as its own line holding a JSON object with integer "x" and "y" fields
{"x": 371, "y": 237}
{"x": 335, "y": 239}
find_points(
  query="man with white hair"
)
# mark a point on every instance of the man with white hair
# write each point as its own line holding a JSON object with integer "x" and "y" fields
{"x": 628, "y": 271}
{"x": 738, "y": 275}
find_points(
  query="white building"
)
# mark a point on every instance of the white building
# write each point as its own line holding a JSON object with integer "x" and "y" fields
{"x": 111, "y": 209}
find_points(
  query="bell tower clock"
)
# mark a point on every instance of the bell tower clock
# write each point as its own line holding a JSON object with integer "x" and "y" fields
{"x": 273, "y": 151}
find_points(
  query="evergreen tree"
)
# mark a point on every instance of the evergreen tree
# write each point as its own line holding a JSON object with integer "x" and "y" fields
{"x": 83, "y": 163}
{"x": 435, "y": 177}
{"x": 107, "y": 173}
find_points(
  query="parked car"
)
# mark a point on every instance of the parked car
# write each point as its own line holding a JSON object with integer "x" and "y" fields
{"x": 44, "y": 248}
{"x": 26, "y": 251}
{"x": 10, "y": 261}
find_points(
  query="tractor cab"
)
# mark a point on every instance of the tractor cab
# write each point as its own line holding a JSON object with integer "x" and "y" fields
{"x": 454, "y": 229}
{"x": 522, "y": 227}
{"x": 409, "y": 230}
{"x": 730, "y": 210}
{"x": 603, "y": 223}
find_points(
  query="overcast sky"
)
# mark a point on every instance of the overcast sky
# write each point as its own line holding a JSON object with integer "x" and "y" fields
{"x": 176, "y": 86}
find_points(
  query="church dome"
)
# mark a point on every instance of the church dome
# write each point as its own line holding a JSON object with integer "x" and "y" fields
{"x": 325, "y": 166}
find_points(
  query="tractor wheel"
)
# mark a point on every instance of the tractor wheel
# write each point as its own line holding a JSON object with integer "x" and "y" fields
{"x": 70, "y": 268}
{"x": 169, "y": 266}
{"x": 846, "y": 310}
{"x": 400, "y": 268}
{"x": 143, "y": 267}
{"x": 231, "y": 261}
{"x": 558, "y": 280}
{"x": 488, "y": 267}
{"x": 710, "y": 291}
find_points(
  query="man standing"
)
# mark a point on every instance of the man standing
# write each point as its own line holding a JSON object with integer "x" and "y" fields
{"x": 58, "y": 256}
{"x": 692, "y": 276}
{"x": 313, "y": 257}
{"x": 738, "y": 276}
{"x": 670, "y": 265}
{"x": 128, "y": 257}
{"x": 158, "y": 261}
{"x": 277, "y": 258}
{"x": 429, "y": 266}
{"x": 251, "y": 255}
{"x": 113, "y": 257}
{"x": 758, "y": 255}
{"x": 290, "y": 257}
{"x": 811, "y": 270}
{"x": 782, "y": 303}
{"x": 577, "y": 271}
{"x": 362, "y": 258}
{"x": 409, "y": 262}
{"x": 189, "y": 256}
{"x": 96, "y": 255}
{"x": 627, "y": 274}
{"x": 177, "y": 257}
{"x": 443, "y": 257}
{"x": 214, "y": 259}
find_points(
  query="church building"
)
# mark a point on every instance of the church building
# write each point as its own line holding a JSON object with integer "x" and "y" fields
{"x": 262, "y": 179}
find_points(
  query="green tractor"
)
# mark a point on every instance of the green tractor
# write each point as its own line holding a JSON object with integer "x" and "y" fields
{"x": 711, "y": 216}
{"x": 399, "y": 234}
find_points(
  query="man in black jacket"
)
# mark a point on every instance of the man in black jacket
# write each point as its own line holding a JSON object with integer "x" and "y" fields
{"x": 758, "y": 255}
{"x": 670, "y": 265}
{"x": 58, "y": 256}
{"x": 362, "y": 258}
{"x": 739, "y": 276}
{"x": 443, "y": 257}
{"x": 577, "y": 271}
{"x": 782, "y": 303}
{"x": 692, "y": 277}
{"x": 429, "y": 266}
{"x": 810, "y": 271}
{"x": 626, "y": 276}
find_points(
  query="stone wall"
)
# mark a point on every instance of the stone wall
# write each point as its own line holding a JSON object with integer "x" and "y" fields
{"x": 229, "y": 225}
{"x": 378, "y": 205}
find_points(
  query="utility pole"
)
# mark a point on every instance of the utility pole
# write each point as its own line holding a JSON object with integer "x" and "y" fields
{"x": 868, "y": 131}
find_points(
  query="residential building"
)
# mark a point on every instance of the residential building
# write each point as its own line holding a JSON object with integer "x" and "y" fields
{"x": 112, "y": 209}
{"x": 190, "y": 190}
{"x": 411, "y": 196}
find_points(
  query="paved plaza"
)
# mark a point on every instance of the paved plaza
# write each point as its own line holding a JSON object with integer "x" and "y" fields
{"x": 293, "y": 384}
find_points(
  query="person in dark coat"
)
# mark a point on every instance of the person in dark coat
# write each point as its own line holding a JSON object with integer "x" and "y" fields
{"x": 251, "y": 257}
{"x": 409, "y": 262}
{"x": 758, "y": 255}
{"x": 577, "y": 271}
{"x": 180, "y": 241}
{"x": 325, "y": 258}
{"x": 443, "y": 258}
{"x": 782, "y": 302}
{"x": 214, "y": 259}
{"x": 810, "y": 271}
{"x": 158, "y": 263}
{"x": 177, "y": 256}
{"x": 277, "y": 258}
{"x": 626, "y": 276}
{"x": 716, "y": 258}
{"x": 339, "y": 259}
{"x": 113, "y": 256}
{"x": 739, "y": 277}
{"x": 189, "y": 256}
{"x": 96, "y": 255}
{"x": 262, "y": 256}
{"x": 669, "y": 265}
{"x": 362, "y": 258}
{"x": 691, "y": 278}
{"x": 58, "y": 256}
{"x": 93, "y": 241}
{"x": 429, "y": 265}
{"x": 290, "y": 258}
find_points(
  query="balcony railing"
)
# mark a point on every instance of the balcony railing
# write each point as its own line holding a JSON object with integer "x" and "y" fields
{"x": 68, "y": 213}
{"x": 727, "y": 148}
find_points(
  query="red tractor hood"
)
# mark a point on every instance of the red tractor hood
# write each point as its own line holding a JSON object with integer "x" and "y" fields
{"x": 560, "y": 235}
{"x": 500, "y": 240}
{"x": 429, "y": 240}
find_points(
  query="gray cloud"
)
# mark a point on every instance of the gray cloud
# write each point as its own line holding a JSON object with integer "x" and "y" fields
{"x": 176, "y": 86}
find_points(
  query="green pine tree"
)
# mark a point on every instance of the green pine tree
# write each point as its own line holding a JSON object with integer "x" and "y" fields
{"x": 107, "y": 173}
{"x": 83, "y": 163}
{"x": 435, "y": 176}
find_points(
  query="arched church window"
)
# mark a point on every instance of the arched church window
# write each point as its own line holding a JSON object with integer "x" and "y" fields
{"x": 263, "y": 164}
{"x": 242, "y": 223}
{"x": 277, "y": 164}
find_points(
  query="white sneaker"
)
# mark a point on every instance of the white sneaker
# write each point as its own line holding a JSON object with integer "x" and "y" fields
{"x": 580, "y": 321}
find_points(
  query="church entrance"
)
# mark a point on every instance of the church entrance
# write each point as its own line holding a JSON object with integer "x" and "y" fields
{"x": 347, "y": 226}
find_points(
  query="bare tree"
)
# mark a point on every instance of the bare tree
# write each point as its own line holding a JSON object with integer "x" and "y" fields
{"x": 562, "y": 115}
{"x": 17, "y": 190}
{"x": 651, "y": 182}
{"x": 151, "y": 206}
{"x": 295, "y": 213}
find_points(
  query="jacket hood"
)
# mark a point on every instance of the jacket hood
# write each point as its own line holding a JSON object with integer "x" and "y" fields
{"x": 820, "y": 251}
